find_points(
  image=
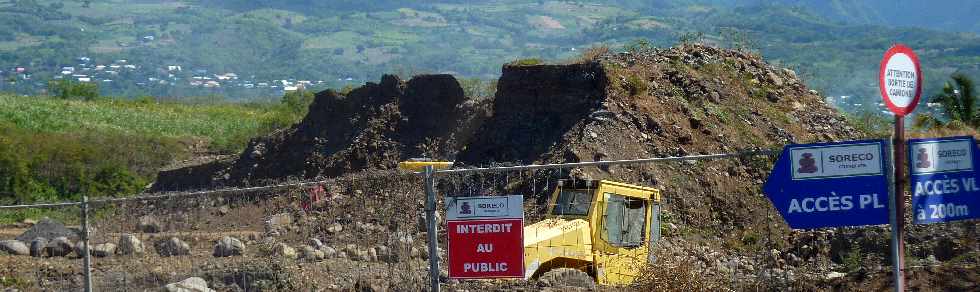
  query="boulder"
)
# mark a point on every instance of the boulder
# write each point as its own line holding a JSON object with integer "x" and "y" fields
{"x": 335, "y": 228}
{"x": 59, "y": 247}
{"x": 14, "y": 247}
{"x": 129, "y": 244}
{"x": 316, "y": 243}
{"x": 402, "y": 238}
{"x": 834, "y": 275}
{"x": 80, "y": 249}
{"x": 277, "y": 222}
{"x": 328, "y": 252}
{"x": 192, "y": 284}
{"x": 351, "y": 252}
{"x": 148, "y": 224}
{"x": 283, "y": 250}
{"x": 47, "y": 228}
{"x": 385, "y": 254}
{"x": 229, "y": 246}
{"x": 372, "y": 254}
{"x": 103, "y": 250}
{"x": 311, "y": 254}
{"x": 37, "y": 246}
{"x": 172, "y": 247}
{"x": 370, "y": 285}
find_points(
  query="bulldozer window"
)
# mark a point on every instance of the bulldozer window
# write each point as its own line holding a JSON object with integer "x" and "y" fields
{"x": 625, "y": 221}
{"x": 573, "y": 202}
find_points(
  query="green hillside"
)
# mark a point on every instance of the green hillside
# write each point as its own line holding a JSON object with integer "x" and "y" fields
{"x": 350, "y": 42}
{"x": 55, "y": 149}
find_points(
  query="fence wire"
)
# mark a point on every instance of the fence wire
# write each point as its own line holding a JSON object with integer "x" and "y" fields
{"x": 351, "y": 232}
{"x": 367, "y": 231}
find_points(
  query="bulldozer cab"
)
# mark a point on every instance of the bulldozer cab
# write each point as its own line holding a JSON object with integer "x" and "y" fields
{"x": 622, "y": 225}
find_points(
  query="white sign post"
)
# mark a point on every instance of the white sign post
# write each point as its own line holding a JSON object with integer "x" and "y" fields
{"x": 900, "y": 83}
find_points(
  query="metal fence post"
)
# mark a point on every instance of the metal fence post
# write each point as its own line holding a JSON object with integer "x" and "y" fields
{"x": 431, "y": 228}
{"x": 88, "y": 246}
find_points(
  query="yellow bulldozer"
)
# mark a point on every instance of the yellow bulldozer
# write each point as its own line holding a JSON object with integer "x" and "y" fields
{"x": 597, "y": 230}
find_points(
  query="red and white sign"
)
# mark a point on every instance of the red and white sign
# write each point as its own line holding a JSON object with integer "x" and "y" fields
{"x": 900, "y": 79}
{"x": 486, "y": 237}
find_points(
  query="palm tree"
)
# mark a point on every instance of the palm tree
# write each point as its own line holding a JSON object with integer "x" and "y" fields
{"x": 958, "y": 101}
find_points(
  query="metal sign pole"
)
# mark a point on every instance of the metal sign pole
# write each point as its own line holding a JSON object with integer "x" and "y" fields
{"x": 897, "y": 216}
{"x": 88, "y": 246}
{"x": 431, "y": 228}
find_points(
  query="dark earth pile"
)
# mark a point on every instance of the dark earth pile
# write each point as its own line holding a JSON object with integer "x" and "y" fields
{"x": 372, "y": 127}
{"x": 686, "y": 100}
{"x": 47, "y": 229}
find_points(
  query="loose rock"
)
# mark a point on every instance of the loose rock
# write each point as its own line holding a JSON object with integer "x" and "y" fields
{"x": 80, "y": 249}
{"x": 172, "y": 247}
{"x": 328, "y": 252}
{"x": 129, "y": 244}
{"x": 37, "y": 246}
{"x": 229, "y": 246}
{"x": 59, "y": 247}
{"x": 283, "y": 250}
{"x": 369, "y": 285}
{"x": 47, "y": 228}
{"x": 103, "y": 250}
{"x": 311, "y": 254}
{"x": 335, "y": 228}
{"x": 148, "y": 224}
{"x": 316, "y": 243}
{"x": 192, "y": 284}
{"x": 277, "y": 222}
{"x": 14, "y": 247}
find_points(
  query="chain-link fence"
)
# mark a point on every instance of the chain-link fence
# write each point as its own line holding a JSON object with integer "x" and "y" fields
{"x": 367, "y": 231}
{"x": 358, "y": 231}
{"x": 361, "y": 230}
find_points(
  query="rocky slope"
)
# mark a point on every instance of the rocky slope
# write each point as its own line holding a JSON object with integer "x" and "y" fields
{"x": 372, "y": 127}
{"x": 686, "y": 100}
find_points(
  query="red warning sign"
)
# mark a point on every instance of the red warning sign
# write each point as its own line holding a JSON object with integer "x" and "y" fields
{"x": 486, "y": 237}
{"x": 900, "y": 80}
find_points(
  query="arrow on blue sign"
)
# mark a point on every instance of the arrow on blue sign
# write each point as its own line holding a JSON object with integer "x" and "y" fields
{"x": 831, "y": 184}
{"x": 943, "y": 175}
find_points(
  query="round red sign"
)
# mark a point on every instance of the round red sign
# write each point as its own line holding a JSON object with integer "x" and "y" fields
{"x": 900, "y": 79}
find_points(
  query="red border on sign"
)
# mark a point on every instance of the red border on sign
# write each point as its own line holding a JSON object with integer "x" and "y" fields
{"x": 900, "y": 48}
{"x": 448, "y": 248}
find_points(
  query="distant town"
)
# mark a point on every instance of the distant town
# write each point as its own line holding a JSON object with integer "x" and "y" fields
{"x": 852, "y": 104}
{"x": 124, "y": 78}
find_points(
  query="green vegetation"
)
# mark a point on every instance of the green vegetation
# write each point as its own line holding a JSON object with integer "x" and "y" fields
{"x": 636, "y": 85}
{"x": 58, "y": 166}
{"x": 477, "y": 88}
{"x": 68, "y": 89}
{"x": 958, "y": 101}
{"x": 876, "y": 126}
{"x": 331, "y": 40}
{"x": 54, "y": 149}
{"x": 225, "y": 126}
{"x": 527, "y": 62}
{"x": 291, "y": 109}
{"x": 852, "y": 260}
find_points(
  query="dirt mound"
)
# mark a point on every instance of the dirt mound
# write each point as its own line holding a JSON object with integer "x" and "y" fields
{"x": 533, "y": 108}
{"x": 48, "y": 229}
{"x": 372, "y": 127}
{"x": 690, "y": 99}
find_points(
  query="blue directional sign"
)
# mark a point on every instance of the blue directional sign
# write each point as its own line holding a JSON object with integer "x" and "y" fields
{"x": 944, "y": 179}
{"x": 831, "y": 184}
